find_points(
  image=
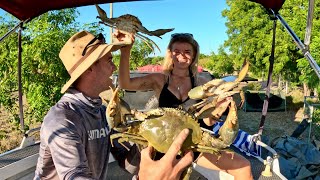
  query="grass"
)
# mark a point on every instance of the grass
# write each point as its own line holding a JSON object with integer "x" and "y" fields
{"x": 10, "y": 135}
{"x": 276, "y": 123}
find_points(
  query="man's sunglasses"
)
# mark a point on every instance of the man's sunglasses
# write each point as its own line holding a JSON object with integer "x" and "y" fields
{"x": 176, "y": 35}
{"x": 99, "y": 37}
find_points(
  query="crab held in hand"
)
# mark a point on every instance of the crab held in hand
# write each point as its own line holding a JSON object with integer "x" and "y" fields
{"x": 131, "y": 24}
{"x": 215, "y": 96}
{"x": 159, "y": 127}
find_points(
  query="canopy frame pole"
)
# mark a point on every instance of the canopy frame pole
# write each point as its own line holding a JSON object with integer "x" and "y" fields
{"x": 11, "y": 31}
{"x": 20, "y": 76}
{"x": 307, "y": 37}
{"x": 300, "y": 45}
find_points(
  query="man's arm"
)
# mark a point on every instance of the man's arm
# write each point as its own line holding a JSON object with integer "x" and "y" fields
{"x": 64, "y": 142}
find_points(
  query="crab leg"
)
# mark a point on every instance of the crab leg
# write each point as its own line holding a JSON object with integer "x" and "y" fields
{"x": 217, "y": 86}
{"x": 158, "y": 32}
{"x": 242, "y": 97}
{"x": 109, "y": 25}
{"x": 186, "y": 174}
{"x": 204, "y": 149}
{"x": 113, "y": 111}
{"x": 199, "y": 105}
{"x": 145, "y": 40}
{"x": 222, "y": 107}
{"x": 243, "y": 72}
{"x": 102, "y": 13}
{"x": 117, "y": 110}
{"x": 126, "y": 137}
{"x": 226, "y": 94}
{"x": 214, "y": 111}
{"x": 225, "y": 87}
{"x": 229, "y": 130}
{"x": 206, "y": 110}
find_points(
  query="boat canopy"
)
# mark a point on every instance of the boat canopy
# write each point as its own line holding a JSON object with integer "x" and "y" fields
{"x": 28, "y": 9}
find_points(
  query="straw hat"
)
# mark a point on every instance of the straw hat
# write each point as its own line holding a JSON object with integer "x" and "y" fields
{"x": 81, "y": 51}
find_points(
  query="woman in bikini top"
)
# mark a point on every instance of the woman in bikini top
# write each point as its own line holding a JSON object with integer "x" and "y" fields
{"x": 172, "y": 86}
{"x": 168, "y": 99}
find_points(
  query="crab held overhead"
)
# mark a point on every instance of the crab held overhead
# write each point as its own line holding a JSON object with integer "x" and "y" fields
{"x": 131, "y": 24}
{"x": 159, "y": 127}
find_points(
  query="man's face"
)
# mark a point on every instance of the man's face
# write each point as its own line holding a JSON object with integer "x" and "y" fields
{"x": 104, "y": 69}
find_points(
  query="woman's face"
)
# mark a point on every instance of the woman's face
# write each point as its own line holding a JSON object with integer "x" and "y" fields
{"x": 182, "y": 54}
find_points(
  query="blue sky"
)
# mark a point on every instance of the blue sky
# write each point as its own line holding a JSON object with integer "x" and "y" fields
{"x": 202, "y": 18}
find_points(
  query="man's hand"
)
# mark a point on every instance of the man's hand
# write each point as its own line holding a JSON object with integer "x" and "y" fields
{"x": 168, "y": 167}
{"x": 125, "y": 38}
{"x": 119, "y": 36}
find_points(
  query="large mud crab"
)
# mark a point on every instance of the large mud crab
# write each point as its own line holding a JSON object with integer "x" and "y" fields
{"x": 159, "y": 127}
{"x": 131, "y": 24}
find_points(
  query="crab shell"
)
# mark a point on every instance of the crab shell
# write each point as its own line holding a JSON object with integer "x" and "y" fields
{"x": 163, "y": 125}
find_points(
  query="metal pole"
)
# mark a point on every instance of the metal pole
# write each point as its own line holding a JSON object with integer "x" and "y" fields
{"x": 19, "y": 76}
{"x": 300, "y": 45}
{"x": 309, "y": 24}
{"x": 11, "y": 31}
{"x": 111, "y": 16}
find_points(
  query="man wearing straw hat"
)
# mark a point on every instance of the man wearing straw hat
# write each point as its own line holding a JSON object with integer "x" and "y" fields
{"x": 74, "y": 134}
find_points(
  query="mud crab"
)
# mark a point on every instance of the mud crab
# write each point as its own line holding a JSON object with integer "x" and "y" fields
{"x": 215, "y": 96}
{"x": 131, "y": 24}
{"x": 160, "y": 126}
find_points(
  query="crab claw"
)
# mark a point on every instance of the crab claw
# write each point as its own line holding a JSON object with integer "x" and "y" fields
{"x": 102, "y": 13}
{"x": 116, "y": 112}
{"x": 160, "y": 32}
{"x": 243, "y": 72}
{"x": 214, "y": 110}
{"x": 217, "y": 86}
{"x": 229, "y": 130}
{"x": 205, "y": 90}
{"x": 113, "y": 110}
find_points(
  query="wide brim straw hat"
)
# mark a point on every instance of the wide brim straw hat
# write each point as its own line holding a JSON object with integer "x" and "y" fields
{"x": 81, "y": 51}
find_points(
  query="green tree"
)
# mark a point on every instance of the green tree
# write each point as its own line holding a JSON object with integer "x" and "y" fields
{"x": 308, "y": 76}
{"x": 157, "y": 60}
{"x": 220, "y": 64}
{"x": 42, "y": 71}
{"x": 250, "y": 37}
{"x": 140, "y": 53}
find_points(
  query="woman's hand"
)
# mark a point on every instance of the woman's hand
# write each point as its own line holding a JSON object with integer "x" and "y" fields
{"x": 168, "y": 167}
{"x": 209, "y": 121}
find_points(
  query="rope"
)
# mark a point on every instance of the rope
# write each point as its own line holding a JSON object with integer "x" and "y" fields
{"x": 269, "y": 82}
